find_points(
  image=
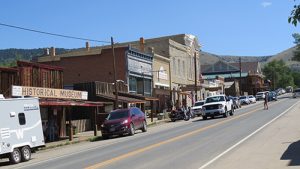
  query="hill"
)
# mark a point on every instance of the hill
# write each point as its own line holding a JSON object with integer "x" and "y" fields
{"x": 287, "y": 56}
{"x": 9, "y": 55}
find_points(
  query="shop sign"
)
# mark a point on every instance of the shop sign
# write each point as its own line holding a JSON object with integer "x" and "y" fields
{"x": 48, "y": 93}
{"x": 139, "y": 67}
{"x": 162, "y": 74}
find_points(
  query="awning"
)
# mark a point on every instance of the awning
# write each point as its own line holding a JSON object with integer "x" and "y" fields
{"x": 140, "y": 97}
{"x": 228, "y": 84}
{"x": 58, "y": 102}
{"x": 121, "y": 98}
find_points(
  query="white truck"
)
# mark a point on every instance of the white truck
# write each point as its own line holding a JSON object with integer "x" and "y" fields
{"x": 20, "y": 128}
{"x": 216, "y": 106}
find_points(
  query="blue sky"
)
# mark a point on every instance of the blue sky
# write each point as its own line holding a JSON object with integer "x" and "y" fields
{"x": 231, "y": 27}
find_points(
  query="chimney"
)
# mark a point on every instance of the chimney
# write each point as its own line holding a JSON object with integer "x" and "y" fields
{"x": 52, "y": 51}
{"x": 142, "y": 44}
{"x": 46, "y": 52}
{"x": 87, "y": 46}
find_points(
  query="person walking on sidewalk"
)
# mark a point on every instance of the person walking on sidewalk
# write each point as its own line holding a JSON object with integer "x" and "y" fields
{"x": 266, "y": 101}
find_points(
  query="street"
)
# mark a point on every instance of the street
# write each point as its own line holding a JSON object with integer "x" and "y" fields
{"x": 184, "y": 144}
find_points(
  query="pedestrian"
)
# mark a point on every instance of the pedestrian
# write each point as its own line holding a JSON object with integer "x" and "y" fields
{"x": 266, "y": 101}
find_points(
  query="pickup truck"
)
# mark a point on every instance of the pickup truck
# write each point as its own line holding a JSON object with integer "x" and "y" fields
{"x": 216, "y": 106}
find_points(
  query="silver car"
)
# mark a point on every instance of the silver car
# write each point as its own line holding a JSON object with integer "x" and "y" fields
{"x": 296, "y": 93}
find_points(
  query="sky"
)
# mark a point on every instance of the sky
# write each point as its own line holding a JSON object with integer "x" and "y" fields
{"x": 231, "y": 27}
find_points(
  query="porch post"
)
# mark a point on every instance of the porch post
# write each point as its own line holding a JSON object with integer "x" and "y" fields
{"x": 95, "y": 121}
{"x": 70, "y": 124}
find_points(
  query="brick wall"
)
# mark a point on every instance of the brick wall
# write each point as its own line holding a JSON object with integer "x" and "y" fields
{"x": 96, "y": 67}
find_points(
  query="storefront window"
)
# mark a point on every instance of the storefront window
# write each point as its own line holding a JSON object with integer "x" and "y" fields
{"x": 147, "y": 87}
{"x": 132, "y": 84}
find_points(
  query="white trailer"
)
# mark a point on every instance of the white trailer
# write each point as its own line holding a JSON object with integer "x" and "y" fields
{"x": 20, "y": 128}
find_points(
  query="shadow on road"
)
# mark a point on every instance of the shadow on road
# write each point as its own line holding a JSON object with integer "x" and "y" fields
{"x": 292, "y": 153}
{"x": 5, "y": 163}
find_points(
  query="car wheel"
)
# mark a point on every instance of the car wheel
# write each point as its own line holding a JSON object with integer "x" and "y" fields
{"x": 144, "y": 128}
{"x": 231, "y": 112}
{"x": 26, "y": 153}
{"x": 105, "y": 136}
{"x": 204, "y": 117}
{"x": 131, "y": 130}
{"x": 226, "y": 113}
{"x": 15, "y": 156}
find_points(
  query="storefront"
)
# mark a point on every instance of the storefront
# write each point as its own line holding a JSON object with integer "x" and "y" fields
{"x": 63, "y": 112}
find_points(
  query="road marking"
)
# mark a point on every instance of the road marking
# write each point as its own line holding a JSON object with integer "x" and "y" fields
{"x": 138, "y": 151}
{"x": 246, "y": 138}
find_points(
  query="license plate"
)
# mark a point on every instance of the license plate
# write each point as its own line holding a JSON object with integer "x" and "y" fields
{"x": 112, "y": 129}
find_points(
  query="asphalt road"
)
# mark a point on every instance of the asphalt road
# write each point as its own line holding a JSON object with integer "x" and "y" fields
{"x": 175, "y": 145}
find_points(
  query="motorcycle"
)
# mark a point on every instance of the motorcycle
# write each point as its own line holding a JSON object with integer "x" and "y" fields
{"x": 181, "y": 114}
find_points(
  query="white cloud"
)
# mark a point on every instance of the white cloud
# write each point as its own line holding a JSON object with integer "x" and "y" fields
{"x": 266, "y": 4}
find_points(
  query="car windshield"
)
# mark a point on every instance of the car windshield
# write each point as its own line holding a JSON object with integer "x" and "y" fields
{"x": 118, "y": 115}
{"x": 297, "y": 90}
{"x": 215, "y": 99}
{"x": 259, "y": 93}
{"x": 250, "y": 96}
{"x": 243, "y": 97}
{"x": 199, "y": 103}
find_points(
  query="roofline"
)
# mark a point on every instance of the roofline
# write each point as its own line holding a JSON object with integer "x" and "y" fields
{"x": 20, "y": 63}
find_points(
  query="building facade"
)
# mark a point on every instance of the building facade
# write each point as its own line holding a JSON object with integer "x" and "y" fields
{"x": 246, "y": 77}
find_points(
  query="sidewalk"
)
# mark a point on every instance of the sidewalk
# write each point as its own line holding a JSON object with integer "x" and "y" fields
{"x": 275, "y": 147}
{"x": 85, "y": 136}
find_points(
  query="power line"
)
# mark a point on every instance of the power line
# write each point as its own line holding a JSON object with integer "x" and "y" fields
{"x": 53, "y": 34}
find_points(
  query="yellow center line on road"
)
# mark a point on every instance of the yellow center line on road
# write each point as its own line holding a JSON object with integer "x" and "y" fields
{"x": 138, "y": 151}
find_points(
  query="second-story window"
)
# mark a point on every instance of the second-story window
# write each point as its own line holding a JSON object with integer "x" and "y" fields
{"x": 178, "y": 68}
{"x": 174, "y": 66}
{"x": 183, "y": 68}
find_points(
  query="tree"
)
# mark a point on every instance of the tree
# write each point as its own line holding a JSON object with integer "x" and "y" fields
{"x": 296, "y": 76}
{"x": 295, "y": 15}
{"x": 279, "y": 74}
{"x": 297, "y": 51}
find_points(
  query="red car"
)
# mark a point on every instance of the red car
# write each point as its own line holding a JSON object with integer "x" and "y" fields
{"x": 124, "y": 121}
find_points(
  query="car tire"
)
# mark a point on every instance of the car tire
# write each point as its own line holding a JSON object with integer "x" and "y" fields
{"x": 105, "y": 136}
{"x": 144, "y": 127}
{"x": 231, "y": 112}
{"x": 226, "y": 113}
{"x": 15, "y": 156}
{"x": 25, "y": 153}
{"x": 204, "y": 117}
{"x": 131, "y": 130}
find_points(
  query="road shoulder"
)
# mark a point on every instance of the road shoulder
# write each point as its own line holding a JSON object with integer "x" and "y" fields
{"x": 274, "y": 147}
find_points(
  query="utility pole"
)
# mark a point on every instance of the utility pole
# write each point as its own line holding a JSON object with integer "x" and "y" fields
{"x": 195, "y": 63}
{"x": 240, "y": 81}
{"x": 115, "y": 73}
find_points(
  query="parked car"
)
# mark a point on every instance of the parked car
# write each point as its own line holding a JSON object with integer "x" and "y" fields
{"x": 260, "y": 95}
{"x": 197, "y": 108}
{"x": 236, "y": 102}
{"x": 217, "y": 105}
{"x": 252, "y": 99}
{"x": 124, "y": 121}
{"x": 296, "y": 93}
{"x": 244, "y": 100}
{"x": 272, "y": 96}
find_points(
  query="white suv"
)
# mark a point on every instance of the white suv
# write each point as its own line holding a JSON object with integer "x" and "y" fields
{"x": 197, "y": 108}
{"x": 260, "y": 95}
{"x": 216, "y": 106}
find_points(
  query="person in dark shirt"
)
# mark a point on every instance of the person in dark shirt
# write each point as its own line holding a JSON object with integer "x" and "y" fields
{"x": 266, "y": 101}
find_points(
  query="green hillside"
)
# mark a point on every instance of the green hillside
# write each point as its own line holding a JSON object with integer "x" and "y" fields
{"x": 9, "y": 56}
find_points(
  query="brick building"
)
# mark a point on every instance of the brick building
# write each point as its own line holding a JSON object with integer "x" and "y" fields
{"x": 133, "y": 68}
